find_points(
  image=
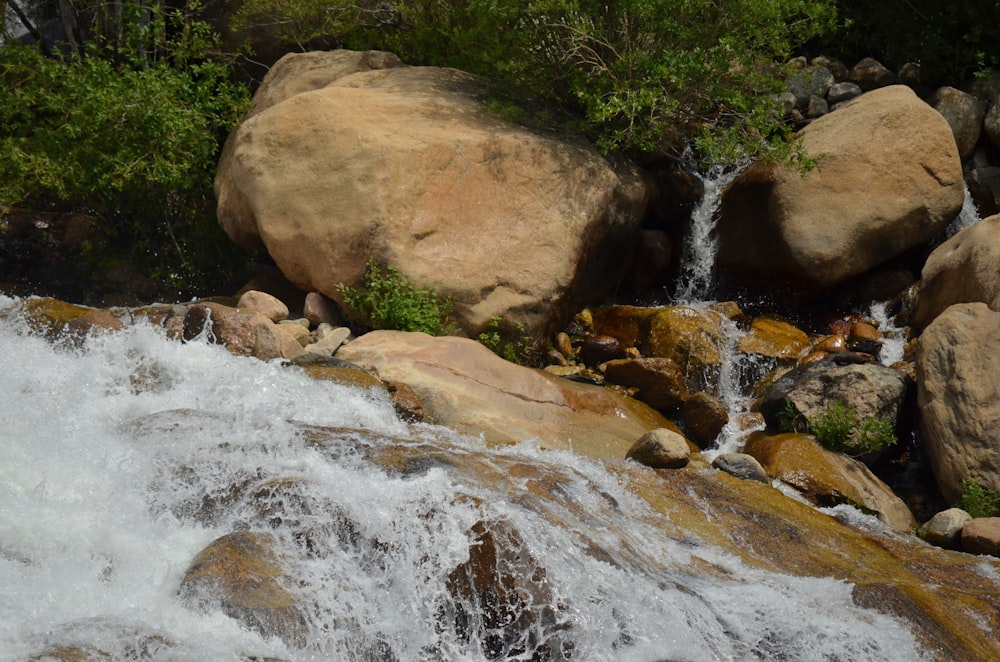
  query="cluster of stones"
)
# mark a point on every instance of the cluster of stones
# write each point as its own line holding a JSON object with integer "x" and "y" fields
{"x": 824, "y": 84}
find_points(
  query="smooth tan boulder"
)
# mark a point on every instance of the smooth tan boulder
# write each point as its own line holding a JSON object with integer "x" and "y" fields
{"x": 661, "y": 449}
{"x": 828, "y": 478}
{"x": 963, "y": 269}
{"x": 405, "y": 165}
{"x": 888, "y": 178}
{"x": 466, "y": 387}
{"x": 958, "y": 394}
{"x": 982, "y": 536}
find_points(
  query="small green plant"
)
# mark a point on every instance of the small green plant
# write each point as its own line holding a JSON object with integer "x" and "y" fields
{"x": 520, "y": 350}
{"x": 791, "y": 419}
{"x": 388, "y": 300}
{"x": 838, "y": 429}
{"x": 834, "y": 426}
{"x": 977, "y": 499}
{"x": 875, "y": 434}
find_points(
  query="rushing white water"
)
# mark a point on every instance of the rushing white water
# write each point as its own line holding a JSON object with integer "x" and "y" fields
{"x": 697, "y": 275}
{"x": 118, "y": 463}
{"x": 968, "y": 216}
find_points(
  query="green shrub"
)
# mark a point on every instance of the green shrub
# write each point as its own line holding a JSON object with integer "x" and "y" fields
{"x": 874, "y": 434}
{"x": 838, "y": 429}
{"x": 978, "y": 500}
{"x": 388, "y": 300}
{"x": 644, "y": 75}
{"x": 834, "y": 426}
{"x": 128, "y": 133}
{"x": 516, "y": 346}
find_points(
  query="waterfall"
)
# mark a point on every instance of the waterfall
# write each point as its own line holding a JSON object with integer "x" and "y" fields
{"x": 700, "y": 245}
{"x": 119, "y": 463}
{"x": 968, "y": 216}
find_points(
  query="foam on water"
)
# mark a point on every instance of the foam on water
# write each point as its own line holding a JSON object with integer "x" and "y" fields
{"x": 114, "y": 460}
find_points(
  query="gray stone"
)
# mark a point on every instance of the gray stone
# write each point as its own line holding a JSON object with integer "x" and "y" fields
{"x": 842, "y": 92}
{"x": 945, "y": 528}
{"x": 742, "y": 466}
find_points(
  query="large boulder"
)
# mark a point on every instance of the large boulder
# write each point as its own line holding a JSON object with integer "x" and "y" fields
{"x": 871, "y": 389}
{"x": 468, "y": 388}
{"x": 406, "y": 166}
{"x": 958, "y": 380}
{"x": 962, "y": 269}
{"x": 888, "y": 179}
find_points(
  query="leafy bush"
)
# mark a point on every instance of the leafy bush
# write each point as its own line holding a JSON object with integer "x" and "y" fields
{"x": 644, "y": 75}
{"x": 874, "y": 434}
{"x": 834, "y": 426}
{"x": 838, "y": 429}
{"x": 516, "y": 347}
{"x": 130, "y": 136}
{"x": 978, "y": 500}
{"x": 388, "y": 300}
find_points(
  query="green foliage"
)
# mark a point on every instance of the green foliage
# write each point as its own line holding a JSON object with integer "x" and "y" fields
{"x": 874, "y": 434}
{"x": 790, "y": 419}
{"x": 516, "y": 346}
{"x": 388, "y": 300}
{"x": 838, "y": 429}
{"x": 126, "y": 134}
{"x": 951, "y": 40}
{"x": 978, "y": 500}
{"x": 644, "y": 75}
{"x": 834, "y": 426}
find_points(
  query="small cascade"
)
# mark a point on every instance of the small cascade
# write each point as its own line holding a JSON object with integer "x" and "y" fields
{"x": 968, "y": 216}
{"x": 893, "y": 337}
{"x": 701, "y": 245}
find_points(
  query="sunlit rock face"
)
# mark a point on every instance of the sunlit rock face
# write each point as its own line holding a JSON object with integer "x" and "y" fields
{"x": 888, "y": 178}
{"x": 958, "y": 369}
{"x": 406, "y": 166}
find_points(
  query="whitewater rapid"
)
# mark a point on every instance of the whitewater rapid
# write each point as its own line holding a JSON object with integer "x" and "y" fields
{"x": 110, "y": 452}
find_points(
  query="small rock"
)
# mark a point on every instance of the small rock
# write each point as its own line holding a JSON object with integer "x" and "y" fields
{"x": 817, "y": 106}
{"x": 564, "y": 345}
{"x": 870, "y": 74}
{"x": 831, "y": 344}
{"x": 97, "y": 321}
{"x": 704, "y": 417}
{"x": 769, "y": 336}
{"x": 945, "y": 528}
{"x": 982, "y": 536}
{"x": 661, "y": 449}
{"x": 742, "y": 466}
{"x": 659, "y": 381}
{"x": 330, "y": 342}
{"x": 296, "y": 330}
{"x": 319, "y": 309}
{"x": 842, "y": 92}
{"x": 600, "y": 349}
{"x": 261, "y": 302}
